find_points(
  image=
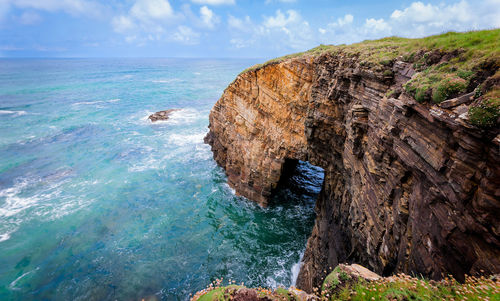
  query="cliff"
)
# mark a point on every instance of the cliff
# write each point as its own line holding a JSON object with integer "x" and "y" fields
{"x": 407, "y": 134}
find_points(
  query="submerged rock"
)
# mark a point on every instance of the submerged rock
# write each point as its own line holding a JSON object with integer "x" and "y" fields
{"x": 161, "y": 115}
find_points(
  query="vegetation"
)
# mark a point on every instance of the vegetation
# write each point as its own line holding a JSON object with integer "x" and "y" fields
{"x": 487, "y": 112}
{"x": 404, "y": 287}
{"x": 399, "y": 287}
{"x": 448, "y": 64}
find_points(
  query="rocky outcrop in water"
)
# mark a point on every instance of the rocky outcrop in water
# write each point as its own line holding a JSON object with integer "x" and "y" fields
{"x": 409, "y": 187}
{"x": 161, "y": 115}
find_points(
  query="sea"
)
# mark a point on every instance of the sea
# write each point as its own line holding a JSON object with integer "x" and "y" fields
{"x": 98, "y": 203}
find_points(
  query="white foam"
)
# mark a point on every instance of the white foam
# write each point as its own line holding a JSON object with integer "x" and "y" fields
{"x": 166, "y": 81}
{"x": 183, "y": 140}
{"x": 5, "y": 236}
{"x": 230, "y": 189}
{"x": 96, "y": 102}
{"x": 13, "y": 283}
{"x": 47, "y": 203}
{"x": 181, "y": 116}
{"x": 296, "y": 269}
{"x": 185, "y": 116}
{"x": 147, "y": 164}
{"x": 16, "y": 113}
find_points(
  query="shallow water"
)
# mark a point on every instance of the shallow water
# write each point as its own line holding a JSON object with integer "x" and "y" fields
{"x": 97, "y": 203}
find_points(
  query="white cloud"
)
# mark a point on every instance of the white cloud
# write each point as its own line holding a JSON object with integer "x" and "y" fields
{"x": 122, "y": 24}
{"x": 208, "y": 17}
{"x": 377, "y": 26}
{"x": 283, "y": 31}
{"x": 152, "y": 10}
{"x": 417, "y": 20}
{"x": 30, "y": 18}
{"x": 244, "y": 24}
{"x": 74, "y": 7}
{"x": 282, "y": 1}
{"x": 213, "y": 2}
{"x": 341, "y": 30}
{"x": 155, "y": 20}
{"x": 186, "y": 35}
{"x": 421, "y": 19}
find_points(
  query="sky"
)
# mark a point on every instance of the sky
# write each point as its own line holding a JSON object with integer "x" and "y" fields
{"x": 222, "y": 28}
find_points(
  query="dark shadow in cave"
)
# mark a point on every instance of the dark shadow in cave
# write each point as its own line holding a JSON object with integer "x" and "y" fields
{"x": 300, "y": 184}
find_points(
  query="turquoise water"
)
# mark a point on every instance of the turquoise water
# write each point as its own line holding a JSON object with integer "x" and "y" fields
{"x": 97, "y": 203}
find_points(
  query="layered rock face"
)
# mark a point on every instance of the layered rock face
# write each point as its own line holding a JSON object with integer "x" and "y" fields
{"x": 408, "y": 187}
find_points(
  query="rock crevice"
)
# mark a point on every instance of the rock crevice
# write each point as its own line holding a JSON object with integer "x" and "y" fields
{"x": 408, "y": 187}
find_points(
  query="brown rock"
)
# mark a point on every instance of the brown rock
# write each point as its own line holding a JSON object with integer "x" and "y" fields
{"x": 408, "y": 187}
{"x": 161, "y": 115}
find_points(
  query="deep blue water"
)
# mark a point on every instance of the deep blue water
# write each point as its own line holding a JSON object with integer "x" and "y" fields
{"x": 97, "y": 203}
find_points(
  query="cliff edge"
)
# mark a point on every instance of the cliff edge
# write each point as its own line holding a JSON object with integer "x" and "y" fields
{"x": 407, "y": 133}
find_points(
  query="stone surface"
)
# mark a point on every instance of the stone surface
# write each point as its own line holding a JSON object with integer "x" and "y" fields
{"x": 466, "y": 98}
{"x": 346, "y": 275}
{"x": 408, "y": 187}
{"x": 302, "y": 295}
{"x": 161, "y": 115}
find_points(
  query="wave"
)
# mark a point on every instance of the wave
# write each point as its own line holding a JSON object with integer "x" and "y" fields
{"x": 16, "y": 113}
{"x": 5, "y": 236}
{"x": 185, "y": 116}
{"x": 95, "y": 102}
{"x": 36, "y": 197}
{"x": 166, "y": 81}
{"x": 13, "y": 283}
{"x": 181, "y": 116}
{"x": 183, "y": 140}
{"x": 296, "y": 269}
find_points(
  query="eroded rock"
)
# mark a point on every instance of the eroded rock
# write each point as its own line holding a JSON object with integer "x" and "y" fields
{"x": 409, "y": 187}
{"x": 161, "y": 115}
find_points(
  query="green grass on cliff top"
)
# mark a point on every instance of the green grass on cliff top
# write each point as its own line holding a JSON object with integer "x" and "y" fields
{"x": 476, "y": 46}
{"x": 447, "y": 65}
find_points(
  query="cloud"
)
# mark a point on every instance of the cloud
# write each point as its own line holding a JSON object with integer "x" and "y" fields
{"x": 421, "y": 19}
{"x": 244, "y": 24}
{"x": 74, "y": 7}
{"x": 213, "y": 2}
{"x": 29, "y": 18}
{"x": 155, "y": 20}
{"x": 417, "y": 20}
{"x": 152, "y": 10}
{"x": 186, "y": 35}
{"x": 208, "y": 17}
{"x": 377, "y": 26}
{"x": 282, "y": 1}
{"x": 122, "y": 24}
{"x": 284, "y": 31}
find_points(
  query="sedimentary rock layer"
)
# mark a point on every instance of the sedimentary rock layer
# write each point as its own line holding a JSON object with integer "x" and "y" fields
{"x": 408, "y": 187}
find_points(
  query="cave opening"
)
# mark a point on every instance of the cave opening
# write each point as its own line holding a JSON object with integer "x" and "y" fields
{"x": 300, "y": 184}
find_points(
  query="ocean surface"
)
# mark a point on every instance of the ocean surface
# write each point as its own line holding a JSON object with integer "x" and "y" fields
{"x": 98, "y": 203}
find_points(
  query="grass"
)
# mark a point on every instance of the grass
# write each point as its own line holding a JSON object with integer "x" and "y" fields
{"x": 476, "y": 46}
{"x": 404, "y": 287}
{"x": 449, "y": 64}
{"x": 487, "y": 112}
{"x": 398, "y": 287}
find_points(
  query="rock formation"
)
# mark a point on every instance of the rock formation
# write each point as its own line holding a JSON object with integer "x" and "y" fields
{"x": 161, "y": 115}
{"x": 409, "y": 187}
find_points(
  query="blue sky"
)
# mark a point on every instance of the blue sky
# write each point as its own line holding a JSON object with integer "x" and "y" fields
{"x": 222, "y": 28}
